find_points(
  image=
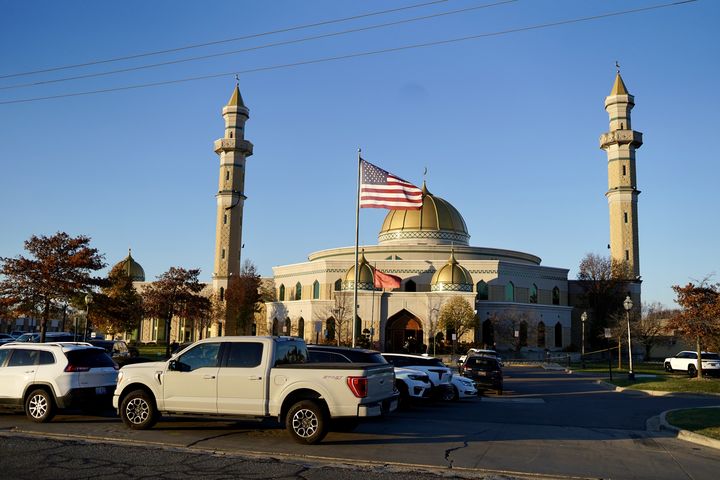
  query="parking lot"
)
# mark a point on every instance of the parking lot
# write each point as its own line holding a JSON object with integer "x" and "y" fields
{"x": 546, "y": 423}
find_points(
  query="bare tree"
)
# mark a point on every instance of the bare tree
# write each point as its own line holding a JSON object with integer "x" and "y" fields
{"x": 342, "y": 312}
{"x": 603, "y": 281}
{"x": 651, "y": 325}
{"x": 58, "y": 268}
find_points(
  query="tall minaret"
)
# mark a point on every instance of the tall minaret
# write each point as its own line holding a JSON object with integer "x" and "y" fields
{"x": 233, "y": 149}
{"x": 620, "y": 144}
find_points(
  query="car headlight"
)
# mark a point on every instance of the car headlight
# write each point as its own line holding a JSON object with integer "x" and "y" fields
{"x": 420, "y": 378}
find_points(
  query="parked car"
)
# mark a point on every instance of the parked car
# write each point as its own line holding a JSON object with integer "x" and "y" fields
{"x": 34, "y": 337}
{"x": 16, "y": 333}
{"x": 255, "y": 377}
{"x": 118, "y": 350}
{"x": 6, "y": 338}
{"x": 686, "y": 361}
{"x": 463, "y": 387}
{"x": 481, "y": 351}
{"x": 484, "y": 371}
{"x": 43, "y": 377}
{"x": 412, "y": 385}
{"x": 440, "y": 375}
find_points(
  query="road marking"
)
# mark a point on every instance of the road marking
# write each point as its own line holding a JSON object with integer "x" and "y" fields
{"x": 512, "y": 400}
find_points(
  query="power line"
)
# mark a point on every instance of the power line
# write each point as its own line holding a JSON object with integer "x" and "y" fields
{"x": 356, "y": 55}
{"x": 258, "y": 47}
{"x": 227, "y": 40}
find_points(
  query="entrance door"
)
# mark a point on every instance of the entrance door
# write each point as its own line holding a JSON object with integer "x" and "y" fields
{"x": 404, "y": 333}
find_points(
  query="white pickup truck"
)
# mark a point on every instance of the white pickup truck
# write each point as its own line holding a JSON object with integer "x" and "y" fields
{"x": 255, "y": 377}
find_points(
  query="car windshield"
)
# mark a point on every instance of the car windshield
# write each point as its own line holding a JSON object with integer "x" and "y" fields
{"x": 710, "y": 356}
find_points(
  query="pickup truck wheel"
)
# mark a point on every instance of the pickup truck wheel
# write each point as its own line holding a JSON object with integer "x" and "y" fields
{"x": 306, "y": 422}
{"x": 692, "y": 371}
{"x": 40, "y": 406}
{"x": 138, "y": 411}
{"x": 668, "y": 367}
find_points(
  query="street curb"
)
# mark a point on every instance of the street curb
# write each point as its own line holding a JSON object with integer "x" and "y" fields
{"x": 656, "y": 393}
{"x": 687, "y": 435}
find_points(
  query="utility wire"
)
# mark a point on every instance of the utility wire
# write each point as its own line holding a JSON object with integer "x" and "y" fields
{"x": 258, "y": 47}
{"x": 227, "y": 40}
{"x": 356, "y": 55}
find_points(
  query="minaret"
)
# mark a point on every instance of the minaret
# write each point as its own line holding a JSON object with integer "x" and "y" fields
{"x": 620, "y": 143}
{"x": 233, "y": 149}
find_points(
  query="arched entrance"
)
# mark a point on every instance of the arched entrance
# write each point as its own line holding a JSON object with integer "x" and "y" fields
{"x": 404, "y": 333}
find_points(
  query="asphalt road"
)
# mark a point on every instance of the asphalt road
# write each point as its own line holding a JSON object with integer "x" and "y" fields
{"x": 547, "y": 423}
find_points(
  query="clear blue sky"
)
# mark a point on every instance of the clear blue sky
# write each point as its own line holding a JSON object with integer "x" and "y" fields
{"x": 507, "y": 125}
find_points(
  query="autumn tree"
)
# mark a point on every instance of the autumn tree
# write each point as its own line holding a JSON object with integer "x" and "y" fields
{"x": 58, "y": 268}
{"x": 699, "y": 317}
{"x": 457, "y": 315}
{"x": 603, "y": 282}
{"x": 176, "y": 293}
{"x": 118, "y": 306}
{"x": 342, "y": 312}
{"x": 242, "y": 298}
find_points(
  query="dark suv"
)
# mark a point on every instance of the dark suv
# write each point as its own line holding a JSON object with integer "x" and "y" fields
{"x": 484, "y": 371}
{"x": 332, "y": 354}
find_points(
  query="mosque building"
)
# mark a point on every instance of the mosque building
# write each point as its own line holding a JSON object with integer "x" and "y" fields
{"x": 518, "y": 302}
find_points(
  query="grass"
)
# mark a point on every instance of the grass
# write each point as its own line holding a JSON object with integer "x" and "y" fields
{"x": 704, "y": 421}
{"x": 152, "y": 351}
{"x": 671, "y": 383}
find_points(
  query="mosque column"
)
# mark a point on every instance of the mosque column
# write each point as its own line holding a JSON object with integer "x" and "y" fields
{"x": 620, "y": 143}
{"x": 233, "y": 150}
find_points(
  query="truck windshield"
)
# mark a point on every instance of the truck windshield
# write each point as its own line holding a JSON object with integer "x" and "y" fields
{"x": 290, "y": 351}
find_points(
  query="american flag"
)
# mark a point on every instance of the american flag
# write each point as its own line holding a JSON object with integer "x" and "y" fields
{"x": 381, "y": 189}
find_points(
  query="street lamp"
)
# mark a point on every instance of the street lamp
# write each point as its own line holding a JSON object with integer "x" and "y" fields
{"x": 628, "y": 305}
{"x": 88, "y": 301}
{"x": 583, "y": 319}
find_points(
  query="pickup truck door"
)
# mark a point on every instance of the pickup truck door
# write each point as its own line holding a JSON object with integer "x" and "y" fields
{"x": 242, "y": 380}
{"x": 190, "y": 382}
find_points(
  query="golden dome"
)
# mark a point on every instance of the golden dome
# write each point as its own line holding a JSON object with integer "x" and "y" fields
{"x": 132, "y": 268}
{"x": 436, "y": 223}
{"x": 452, "y": 276}
{"x": 365, "y": 278}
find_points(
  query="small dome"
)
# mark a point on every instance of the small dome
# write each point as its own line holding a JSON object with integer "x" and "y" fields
{"x": 436, "y": 223}
{"x": 365, "y": 279}
{"x": 451, "y": 277}
{"x": 132, "y": 269}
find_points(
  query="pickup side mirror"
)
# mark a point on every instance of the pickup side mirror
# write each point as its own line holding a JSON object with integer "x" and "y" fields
{"x": 177, "y": 366}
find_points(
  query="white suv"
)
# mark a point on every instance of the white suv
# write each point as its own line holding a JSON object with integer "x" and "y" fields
{"x": 42, "y": 377}
{"x": 440, "y": 375}
{"x": 686, "y": 361}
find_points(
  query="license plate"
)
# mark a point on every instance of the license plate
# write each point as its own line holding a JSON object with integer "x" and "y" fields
{"x": 100, "y": 391}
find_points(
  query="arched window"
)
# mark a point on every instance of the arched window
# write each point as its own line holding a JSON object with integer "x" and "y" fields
{"x": 482, "y": 290}
{"x": 510, "y": 292}
{"x": 222, "y": 294}
{"x": 330, "y": 329}
{"x": 287, "y": 329}
{"x": 410, "y": 286}
{"x": 541, "y": 335}
{"x": 523, "y": 333}
{"x": 301, "y": 328}
{"x": 298, "y": 291}
{"x": 281, "y": 293}
{"x": 533, "y": 294}
{"x": 488, "y": 333}
{"x": 338, "y": 285}
{"x": 275, "y": 327}
{"x": 556, "y": 296}
{"x": 558, "y": 335}
{"x": 316, "y": 290}
{"x": 253, "y": 329}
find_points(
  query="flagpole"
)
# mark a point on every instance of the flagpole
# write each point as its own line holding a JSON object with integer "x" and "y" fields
{"x": 357, "y": 236}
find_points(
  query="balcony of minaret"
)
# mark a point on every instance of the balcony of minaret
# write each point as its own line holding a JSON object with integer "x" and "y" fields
{"x": 234, "y": 144}
{"x": 621, "y": 137}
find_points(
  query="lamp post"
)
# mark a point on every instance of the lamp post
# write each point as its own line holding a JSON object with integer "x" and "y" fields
{"x": 583, "y": 319}
{"x": 88, "y": 301}
{"x": 628, "y": 305}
